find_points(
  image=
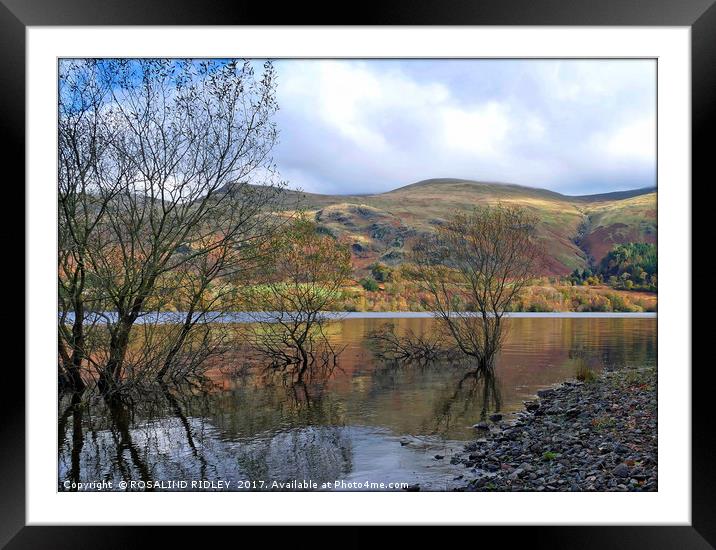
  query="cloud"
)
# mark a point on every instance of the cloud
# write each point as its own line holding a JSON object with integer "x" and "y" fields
{"x": 364, "y": 126}
{"x": 480, "y": 130}
{"x": 634, "y": 140}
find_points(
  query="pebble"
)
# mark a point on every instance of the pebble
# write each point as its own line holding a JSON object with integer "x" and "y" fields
{"x": 593, "y": 436}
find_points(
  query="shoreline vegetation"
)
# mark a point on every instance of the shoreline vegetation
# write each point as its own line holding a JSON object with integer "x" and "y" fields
{"x": 543, "y": 298}
{"x": 594, "y": 434}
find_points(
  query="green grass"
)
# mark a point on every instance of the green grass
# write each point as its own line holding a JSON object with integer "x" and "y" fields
{"x": 631, "y": 212}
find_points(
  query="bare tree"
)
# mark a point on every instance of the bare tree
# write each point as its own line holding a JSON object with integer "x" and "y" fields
{"x": 90, "y": 177}
{"x": 163, "y": 162}
{"x": 411, "y": 347}
{"x": 472, "y": 270}
{"x": 293, "y": 293}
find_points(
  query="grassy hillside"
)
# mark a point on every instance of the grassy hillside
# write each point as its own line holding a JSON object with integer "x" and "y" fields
{"x": 576, "y": 231}
{"x": 611, "y": 222}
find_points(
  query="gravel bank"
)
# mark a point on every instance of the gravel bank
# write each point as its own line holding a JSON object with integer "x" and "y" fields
{"x": 599, "y": 435}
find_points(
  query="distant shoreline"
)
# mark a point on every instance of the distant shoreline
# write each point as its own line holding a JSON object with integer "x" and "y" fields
{"x": 514, "y": 314}
{"x": 168, "y": 317}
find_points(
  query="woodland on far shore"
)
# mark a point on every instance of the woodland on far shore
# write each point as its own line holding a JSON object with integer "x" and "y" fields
{"x": 625, "y": 281}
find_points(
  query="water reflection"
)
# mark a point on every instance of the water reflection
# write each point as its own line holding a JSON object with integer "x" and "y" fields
{"x": 477, "y": 389}
{"x": 366, "y": 420}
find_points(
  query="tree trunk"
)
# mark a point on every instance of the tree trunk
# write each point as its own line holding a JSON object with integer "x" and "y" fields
{"x": 304, "y": 363}
{"x": 78, "y": 352}
{"x": 186, "y": 328}
{"x": 63, "y": 378}
{"x": 73, "y": 367}
{"x": 119, "y": 341}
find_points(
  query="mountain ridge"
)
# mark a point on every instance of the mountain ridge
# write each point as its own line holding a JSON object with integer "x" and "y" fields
{"x": 577, "y": 231}
{"x": 616, "y": 195}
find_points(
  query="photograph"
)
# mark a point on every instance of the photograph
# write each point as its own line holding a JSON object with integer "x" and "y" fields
{"x": 356, "y": 274}
{"x": 285, "y": 268}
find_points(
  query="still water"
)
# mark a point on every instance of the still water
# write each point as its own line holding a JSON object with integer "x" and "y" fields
{"x": 366, "y": 422}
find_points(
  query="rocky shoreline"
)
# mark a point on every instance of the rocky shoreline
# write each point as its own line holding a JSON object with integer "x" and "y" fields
{"x": 598, "y": 435}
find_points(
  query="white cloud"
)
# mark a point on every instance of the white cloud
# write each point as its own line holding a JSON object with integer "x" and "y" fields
{"x": 349, "y": 98}
{"x": 480, "y": 130}
{"x": 343, "y": 94}
{"x": 372, "y": 125}
{"x": 635, "y": 140}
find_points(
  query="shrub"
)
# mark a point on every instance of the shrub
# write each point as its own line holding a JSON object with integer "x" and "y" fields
{"x": 540, "y": 305}
{"x": 584, "y": 373}
{"x": 381, "y": 272}
{"x": 597, "y": 303}
{"x": 369, "y": 284}
{"x": 620, "y": 304}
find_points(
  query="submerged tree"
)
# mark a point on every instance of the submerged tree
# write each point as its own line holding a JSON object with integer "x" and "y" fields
{"x": 411, "y": 347}
{"x": 293, "y": 293}
{"x": 157, "y": 164}
{"x": 472, "y": 270}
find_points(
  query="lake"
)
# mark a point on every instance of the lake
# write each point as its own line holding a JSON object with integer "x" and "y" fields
{"x": 364, "y": 423}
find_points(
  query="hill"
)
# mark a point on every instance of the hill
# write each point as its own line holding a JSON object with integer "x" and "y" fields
{"x": 577, "y": 231}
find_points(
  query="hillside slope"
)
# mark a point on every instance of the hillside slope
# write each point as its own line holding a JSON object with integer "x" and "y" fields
{"x": 577, "y": 231}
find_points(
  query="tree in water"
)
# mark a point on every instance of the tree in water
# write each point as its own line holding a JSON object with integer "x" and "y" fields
{"x": 157, "y": 164}
{"x": 292, "y": 294}
{"x": 472, "y": 270}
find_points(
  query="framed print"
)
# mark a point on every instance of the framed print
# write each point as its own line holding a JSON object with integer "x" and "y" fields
{"x": 401, "y": 270}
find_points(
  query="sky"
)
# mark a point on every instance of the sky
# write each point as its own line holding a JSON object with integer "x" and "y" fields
{"x": 369, "y": 126}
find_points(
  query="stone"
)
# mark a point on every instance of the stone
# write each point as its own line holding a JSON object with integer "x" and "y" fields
{"x": 594, "y": 449}
{"x": 621, "y": 449}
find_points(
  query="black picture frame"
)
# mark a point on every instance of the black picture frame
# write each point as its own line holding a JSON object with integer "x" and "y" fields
{"x": 16, "y": 15}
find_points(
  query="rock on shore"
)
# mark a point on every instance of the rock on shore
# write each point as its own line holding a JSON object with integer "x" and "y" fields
{"x": 599, "y": 435}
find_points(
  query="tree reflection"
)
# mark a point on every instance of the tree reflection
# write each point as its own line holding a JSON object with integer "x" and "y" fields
{"x": 475, "y": 389}
{"x": 138, "y": 441}
{"x": 74, "y": 410}
{"x": 176, "y": 408}
{"x": 121, "y": 410}
{"x": 456, "y": 405}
